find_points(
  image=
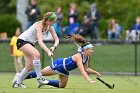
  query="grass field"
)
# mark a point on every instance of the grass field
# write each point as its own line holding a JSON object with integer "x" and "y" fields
{"x": 76, "y": 84}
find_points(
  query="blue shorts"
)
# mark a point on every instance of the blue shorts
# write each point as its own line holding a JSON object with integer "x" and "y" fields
{"x": 58, "y": 67}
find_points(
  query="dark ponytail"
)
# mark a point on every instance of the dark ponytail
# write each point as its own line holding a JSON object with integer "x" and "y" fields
{"x": 77, "y": 38}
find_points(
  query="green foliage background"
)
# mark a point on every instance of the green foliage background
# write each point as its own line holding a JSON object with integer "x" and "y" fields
{"x": 125, "y": 11}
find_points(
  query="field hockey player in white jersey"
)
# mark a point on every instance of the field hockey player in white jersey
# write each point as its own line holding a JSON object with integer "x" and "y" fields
{"x": 26, "y": 42}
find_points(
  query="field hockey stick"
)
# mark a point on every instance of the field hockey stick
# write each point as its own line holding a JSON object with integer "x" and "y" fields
{"x": 53, "y": 66}
{"x": 108, "y": 85}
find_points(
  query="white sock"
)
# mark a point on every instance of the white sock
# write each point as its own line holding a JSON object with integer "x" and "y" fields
{"x": 22, "y": 76}
{"x": 37, "y": 67}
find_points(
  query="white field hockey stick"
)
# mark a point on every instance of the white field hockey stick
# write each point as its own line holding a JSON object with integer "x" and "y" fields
{"x": 53, "y": 66}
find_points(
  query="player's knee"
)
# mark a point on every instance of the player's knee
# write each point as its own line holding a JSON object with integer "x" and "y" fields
{"x": 62, "y": 85}
{"x": 36, "y": 56}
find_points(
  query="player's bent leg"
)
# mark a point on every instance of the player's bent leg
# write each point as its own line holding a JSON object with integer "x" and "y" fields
{"x": 24, "y": 73}
{"x": 54, "y": 83}
{"x": 19, "y": 80}
{"x": 35, "y": 55}
{"x": 47, "y": 72}
{"x": 63, "y": 81}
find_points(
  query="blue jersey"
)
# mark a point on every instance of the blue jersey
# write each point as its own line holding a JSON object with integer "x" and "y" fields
{"x": 64, "y": 65}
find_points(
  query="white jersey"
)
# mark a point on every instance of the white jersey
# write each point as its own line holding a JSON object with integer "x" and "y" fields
{"x": 30, "y": 34}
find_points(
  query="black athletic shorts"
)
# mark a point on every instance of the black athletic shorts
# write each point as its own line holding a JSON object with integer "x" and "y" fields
{"x": 21, "y": 43}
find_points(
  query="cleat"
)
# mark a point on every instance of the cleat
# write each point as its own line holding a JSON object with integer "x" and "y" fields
{"x": 19, "y": 85}
{"x": 42, "y": 82}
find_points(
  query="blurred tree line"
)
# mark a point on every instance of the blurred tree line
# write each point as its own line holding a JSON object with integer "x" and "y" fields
{"x": 8, "y": 22}
{"x": 124, "y": 11}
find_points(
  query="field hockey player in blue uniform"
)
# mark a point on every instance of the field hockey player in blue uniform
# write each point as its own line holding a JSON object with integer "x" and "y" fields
{"x": 62, "y": 66}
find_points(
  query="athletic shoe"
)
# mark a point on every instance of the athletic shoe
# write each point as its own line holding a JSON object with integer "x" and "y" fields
{"x": 19, "y": 85}
{"x": 15, "y": 79}
{"x": 42, "y": 82}
{"x": 40, "y": 85}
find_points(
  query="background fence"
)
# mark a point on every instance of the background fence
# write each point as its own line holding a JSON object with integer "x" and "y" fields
{"x": 110, "y": 57}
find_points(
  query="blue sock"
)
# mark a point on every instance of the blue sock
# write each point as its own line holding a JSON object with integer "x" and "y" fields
{"x": 54, "y": 83}
{"x": 32, "y": 74}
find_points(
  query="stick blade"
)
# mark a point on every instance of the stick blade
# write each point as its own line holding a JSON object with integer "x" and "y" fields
{"x": 113, "y": 86}
{"x": 108, "y": 85}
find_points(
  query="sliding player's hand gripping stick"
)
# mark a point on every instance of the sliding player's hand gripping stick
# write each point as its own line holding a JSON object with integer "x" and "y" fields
{"x": 108, "y": 85}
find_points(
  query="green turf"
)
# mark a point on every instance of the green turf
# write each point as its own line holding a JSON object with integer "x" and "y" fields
{"x": 107, "y": 58}
{"x": 76, "y": 84}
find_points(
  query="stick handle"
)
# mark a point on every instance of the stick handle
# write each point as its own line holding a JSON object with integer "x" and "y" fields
{"x": 52, "y": 62}
{"x": 100, "y": 80}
